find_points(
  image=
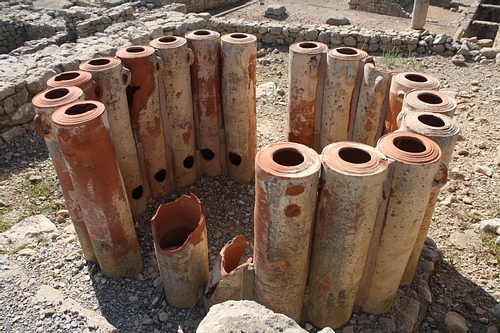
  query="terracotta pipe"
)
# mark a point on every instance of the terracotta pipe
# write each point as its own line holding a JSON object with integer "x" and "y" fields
{"x": 286, "y": 189}
{"x": 352, "y": 178}
{"x": 145, "y": 114}
{"x": 427, "y": 101}
{"x": 306, "y": 77}
{"x": 229, "y": 279}
{"x": 115, "y": 79}
{"x": 84, "y": 136}
{"x": 206, "y": 87}
{"x": 444, "y": 131}
{"x": 177, "y": 58}
{"x": 414, "y": 172}
{"x": 340, "y": 93}
{"x": 180, "y": 238}
{"x": 238, "y": 57}
{"x": 402, "y": 83}
{"x": 45, "y": 104}
{"x": 80, "y": 79}
{"x": 371, "y": 106}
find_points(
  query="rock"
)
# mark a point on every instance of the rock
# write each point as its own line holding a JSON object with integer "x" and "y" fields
{"x": 489, "y": 52}
{"x": 163, "y": 317}
{"x": 490, "y": 226}
{"x": 27, "y": 232}
{"x": 406, "y": 311}
{"x": 465, "y": 240}
{"x": 265, "y": 90}
{"x": 133, "y": 299}
{"x": 497, "y": 157}
{"x": 37, "y": 79}
{"x": 338, "y": 20}
{"x": 495, "y": 311}
{"x": 497, "y": 59}
{"x": 275, "y": 10}
{"x": 455, "y": 323}
{"x": 12, "y": 133}
{"x": 388, "y": 325}
{"x": 485, "y": 42}
{"x": 458, "y": 59}
{"x": 22, "y": 114}
{"x": 483, "y": 169}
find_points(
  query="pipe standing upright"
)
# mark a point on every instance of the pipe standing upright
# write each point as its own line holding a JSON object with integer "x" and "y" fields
{"x": 306, "y": 64}
{"x": 206, "y": 87}
{"x": 45, "y": 104}
{"x": 80, "y": 79}
{"x": 114, "y": 78}
{"x": 286, "y": 188}
{"x": 340, "y": 94}
{"x": 84, "y": 136}
{"x": 353, "y": 177}
{"x": 178, "y": 114}
{"x": 427, "y": 101}
{"x": 145, "y": 114}
{"x": 238, "y": 56}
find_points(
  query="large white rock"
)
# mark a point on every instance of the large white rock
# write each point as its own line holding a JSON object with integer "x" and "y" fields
{"x": 27, "y": 232}
{"x": 455, "y": 323}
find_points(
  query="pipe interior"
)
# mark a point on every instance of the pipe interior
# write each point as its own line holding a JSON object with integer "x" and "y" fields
{"x": 135, "y": 49}
{"x": 167, "y": 39}
{"x": 235, "y": 159}
{"x": 354, "y": 155}
{"x": 346, "y": 50}
{"x": 416, "y": 77}
{"x": 66, "y": 76}
{"x": 188, "y": 162}
{"x": 137, "y": 192}
{"x": 430, "y": 98}
{"x": 288, "y": 157}
{"x": 239, "y": 36}
{"x": 80, "y": 109}
{"x": 56, "y": 93}
{"x": 410, "y": 145}
{"x": 201, "y": 33}
{"x": 99, "y": 62}
{"x": 232, "y": 257}
{"x": 161, "y": 175}
{"x": 207, "y": 154}
{"x": 431, "y": 120}
{"x": 308, "y": 45}
{"x": 174, "y": 238}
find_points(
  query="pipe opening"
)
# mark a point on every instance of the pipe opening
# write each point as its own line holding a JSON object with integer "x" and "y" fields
{"x": 137, "y": 192}
{"x": 292, "y": 210}
{"x": 346, "y": 50}
{"x": 80, "y": 109}
{"x": 207, "y": 154}
{"x": 354, "y": 155}
{"x": 431, "y": 120}
{"x": 238, "y": 36}
{"x": 430, "y": 98}
{"x": 161, "y": 175}
{"x": 66, "y": 76}
{"x": 308, "y": 45}
{"x": 174, "y": 238}
{"x": 410, "y": 145}
{"x": 130, "y": 91}
{"x": 56, "y": 93}
{"x": 135, "y": 49}
{"x": 288, "y": 157}
{"x": 416, "y": 78}
{"x": 201, "y": 33}
{"x": 235, "y": 159}
{"x": 188, "y": 162}
{"x": 99, "y": 62}
{"x": 167, "y": 39}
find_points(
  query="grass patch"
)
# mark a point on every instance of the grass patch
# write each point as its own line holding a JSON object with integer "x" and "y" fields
{"x": 395, "y": 59}
{"x": 38, "y": 195}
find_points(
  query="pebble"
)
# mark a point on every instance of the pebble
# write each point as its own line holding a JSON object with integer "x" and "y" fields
{"x": 133, "y": 299}
{"x": 163, "y": 317}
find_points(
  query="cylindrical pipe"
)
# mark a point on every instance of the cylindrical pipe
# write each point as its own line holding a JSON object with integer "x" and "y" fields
{"x": 444, "y": 131}
{"x": 145, "y": 114}
{"x": 180, "y": 238}
{"x": 340, "y": 94}
{"x": 419, "y": 14}
{"x": 401, "y": 84}
{"x": 115, "y": 79}
{"x": 306, "y": 64}
{"x": 84, "y": 136}
{"x": 80, "y": 79}
{"x": 372, "y": 103}
{"x": 286, "y": 189}
{"x": 206, "y": 87}
{"x": 45, "y": 104}
{"x": 352, "y": 178}
{"x": 238, "y": 57}
{"x": 414, "y": 172}
{"x": 177, "y": 58}
{"x": 427, "y": 101}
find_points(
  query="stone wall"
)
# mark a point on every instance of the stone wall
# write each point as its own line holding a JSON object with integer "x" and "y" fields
{"x": 399, "y": 8}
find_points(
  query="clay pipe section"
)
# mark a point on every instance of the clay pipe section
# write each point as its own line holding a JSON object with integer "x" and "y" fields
{"x": 340, "y": 93}
{"x": 413, "y": 172}
{"x": 443, "y": 130}
{"x": 239, "y": 53}
{"x": 180, "y": 238}
{"x": 306, "y": 64}
{"x": 229, "y": 279}
{"x": 177, "y": 59}
{"x": 45, "y": 104}
{"x": 85, "y": 140}
{"x": 145, "y": 114}
{"x": 286, "y": 189}
{"x": 206, "y": 87}
{"x": 352, "y": 178}
{"x": 428, "y": 101}
{"x": 371, "y": 106}
{"x": 115, "y": 79}
{"x": 80, "y": 79}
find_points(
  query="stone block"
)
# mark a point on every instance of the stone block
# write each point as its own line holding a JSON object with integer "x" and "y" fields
{"x": 338, "y": 20}
{"x": 275, "y": 10}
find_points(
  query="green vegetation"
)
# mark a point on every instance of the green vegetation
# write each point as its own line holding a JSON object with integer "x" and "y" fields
{"x": 395, "y": 59}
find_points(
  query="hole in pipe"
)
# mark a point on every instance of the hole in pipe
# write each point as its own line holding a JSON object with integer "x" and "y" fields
{"x": 292, "y": 210}
{"x": 135, "y": 49}
{"x": 167, "y": 39}
{"x": 409, "y": 145}
{"x": 416, "y": 78}
{"x": 346, "y": 50}
{"x": 288, "y": 157}
{"x": 430, "y": 98}
{"x": 235, "y": 159}
{"x": 99, "y": 62}
{"x": 201, "y": 33}
{"x": 238, "y": 36}
{"x": 160, "y": 175}
{"x": 97, "y": 91}
{"x": 174, "y": 238}
{"x": 79, "y": 109}
{"x": 56, "y": 93}
{"x": 308, "y": 45}
{"x": 207, "y": 154}
{"x": 188, "y": 162}
{"x": 431, "y": 120}
{"x": 66, "y": 76}
{"x": 354, "y": 155}
{"x": 130, "y": 94}
{"x": 137, "y": 192}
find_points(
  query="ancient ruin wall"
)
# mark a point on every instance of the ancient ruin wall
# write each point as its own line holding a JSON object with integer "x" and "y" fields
{"x": 400, "y": 8}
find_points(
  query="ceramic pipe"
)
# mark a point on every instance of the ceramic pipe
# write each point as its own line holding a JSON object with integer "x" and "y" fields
{"x": 286, "y": 189}
{"x": 177, "y": 58}
{"x": 180, "y": 238}
{"x": 238, "y": 56}
{"x": 206, "y": 87}
{"x": 307, "y": 64}
{"x": 80, "y": 79}
{"x": 145, "y": 114}
{"x": 427, "y": 101}
{"x": 84, "y": 136}
{"x": 115, "y": 79}
{"x": 444, "y": 131}
{"x": 402, "y": 83}
{"x": 414, "y": 172}
{"x": 45, "y": 104}
{"x": 352, "y": 177}
{"x": 340, "y": 93}
{"x": 372, "y": 102}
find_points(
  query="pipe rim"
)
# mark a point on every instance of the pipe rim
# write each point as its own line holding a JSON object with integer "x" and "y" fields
{"x": 238, "y": 38}
{"x": 417, "y": 100}
{"x": 90, "y": 110}
{"x": 426, "y": 150}
{"x": 135, "y": 52}
{"x": 202, "y": 35}
{"x": 331, "y": 158}
{"x": 77, "y": 78}
{"x": 100, "y": 64}
{"x": 416, "y": 80}
{"x": 347, "y": 53}
{"x": 308, "y": 47}
{"x": 167, "y": 42}
{"x": 56, "y": 97}
{"x": 414, "y": 122}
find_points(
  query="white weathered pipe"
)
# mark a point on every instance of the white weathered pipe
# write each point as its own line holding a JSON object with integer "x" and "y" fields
{"x": 427, "y": 101}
